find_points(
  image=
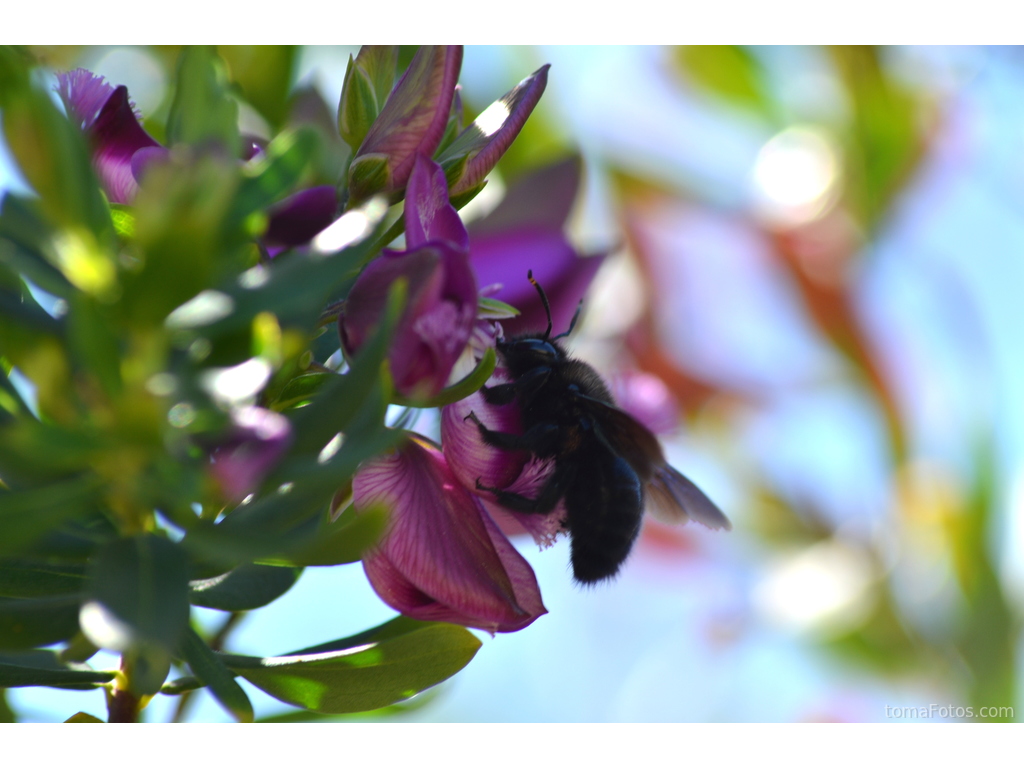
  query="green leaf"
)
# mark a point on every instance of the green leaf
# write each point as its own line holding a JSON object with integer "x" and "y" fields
{"x": 203, "y": 110}
{"x": 244, "y": 588}
{"x": 294, "y": 289}
{"x": 343, "y": 541}
{"x": 142, "y": 584}
{"x": 208, "y": 667}
{"x": 94, "y": 343}
{"x": 339, "y": 401}
{"x": 27, "y": 515}
{"x": 271, "y": 178}
{"x": 28, "y": 623}
{"x": 492, "y": 309}
{"x": 39, "y": 578}
{"x": 301, "y": 389}
{"x": 264, "y": 75}
{"x": 26, "y": 239}
{"x": 461, "y": 389}
{"x": 17, "y": 676}
{"x": 365, "y": 672}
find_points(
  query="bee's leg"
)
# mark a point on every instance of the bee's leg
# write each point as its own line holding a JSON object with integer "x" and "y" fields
{"x": 546, "y": 500}
{"x": 540, "y": 438}
{"x": 503, "y": 394}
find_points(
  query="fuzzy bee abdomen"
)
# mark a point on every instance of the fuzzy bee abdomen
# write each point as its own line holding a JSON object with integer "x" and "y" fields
{"x": 604, "y": 506}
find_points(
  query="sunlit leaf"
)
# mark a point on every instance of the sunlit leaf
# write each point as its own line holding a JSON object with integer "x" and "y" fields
{"x": 343, "y": 541}
{"x": 368, "y": 671}
{"x": 211, "y": 670}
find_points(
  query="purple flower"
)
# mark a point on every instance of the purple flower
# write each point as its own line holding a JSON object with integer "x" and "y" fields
{"x": 470, "y": 459}
{"x": 411, "y": 123}
{"x": 257, "y": 440}
{"x": 441, "y": 310}
{"x": 121, "y": 151}
{"x": 112, "y": 127}
{"x": 442, "y": 558}
{"x": 525, "y": 232}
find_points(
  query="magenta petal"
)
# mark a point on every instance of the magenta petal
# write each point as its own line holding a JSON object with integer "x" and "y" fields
{"x": 83, "y": 94}
{"x": 258, "y": 439}
{"x": 438, "y": 320}
{"x": 506, "y": 257}
{"x": 428, "y": 214}
{"x": 116, "y": 136}
{"x": 541, "y": 199}
{"x": 484, "y": 141}
{"x": 471, "y": 458}
{"x": 415, "y": 115}
{"x": 441, "y": 557}
{"x": 298, "y": 219}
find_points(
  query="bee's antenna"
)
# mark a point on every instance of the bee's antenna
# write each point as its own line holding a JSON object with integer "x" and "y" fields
{"x": 572, "y": 323}
{"x": 544, "y": 300}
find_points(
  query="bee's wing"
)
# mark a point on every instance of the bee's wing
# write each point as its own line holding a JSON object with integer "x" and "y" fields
{"x": 673, "y": 498}
{"x": 627, "y": 437}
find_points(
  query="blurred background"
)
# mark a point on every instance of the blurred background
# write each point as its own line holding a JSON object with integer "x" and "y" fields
{"x": 814, "y": 279}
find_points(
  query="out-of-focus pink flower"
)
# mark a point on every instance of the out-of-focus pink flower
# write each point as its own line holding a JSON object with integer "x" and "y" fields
{"x": 470, "y": 459}
{"x": 257, "y": 440}
{"x": 442, "y": 558}
{"x": 441, "y": 309}
{"x": 647, "y": 399}
{"x": 411, "y": 123}
{"x": 525, "y": 232}
{"x": 121, "y": 151}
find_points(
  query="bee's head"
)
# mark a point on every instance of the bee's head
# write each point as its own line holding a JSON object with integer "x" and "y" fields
{"x": 522, "y": 353}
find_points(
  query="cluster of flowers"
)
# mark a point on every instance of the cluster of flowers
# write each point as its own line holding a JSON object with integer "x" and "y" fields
{"x": 443, "y": 556}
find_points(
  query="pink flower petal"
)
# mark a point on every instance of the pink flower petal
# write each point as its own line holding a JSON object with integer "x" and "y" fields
{"x": 428, "y": 214}
{"x": 442, "y": 558}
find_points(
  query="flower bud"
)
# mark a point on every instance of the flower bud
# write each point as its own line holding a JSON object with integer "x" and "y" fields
{"x": 368, "y": 81}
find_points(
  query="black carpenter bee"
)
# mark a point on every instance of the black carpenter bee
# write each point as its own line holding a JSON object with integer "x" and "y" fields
{"x": 607, "y": 464}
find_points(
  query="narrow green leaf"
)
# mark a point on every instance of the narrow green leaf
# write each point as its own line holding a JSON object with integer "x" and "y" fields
{"x": 211, "y": 670}
{"x": 392, "y": 664}
{"x": 301, "y": 389}
{"x": 203, "y": 109}
{"x": 15, "y": 676}
{"x": 244, "y": 588}
{"x": 142, "y": 583}
{"x": 181, "y": 685}
{"x": 29, "y": 623}
{"x": 38, "y": 578}
{"x": 461, "y": 389}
